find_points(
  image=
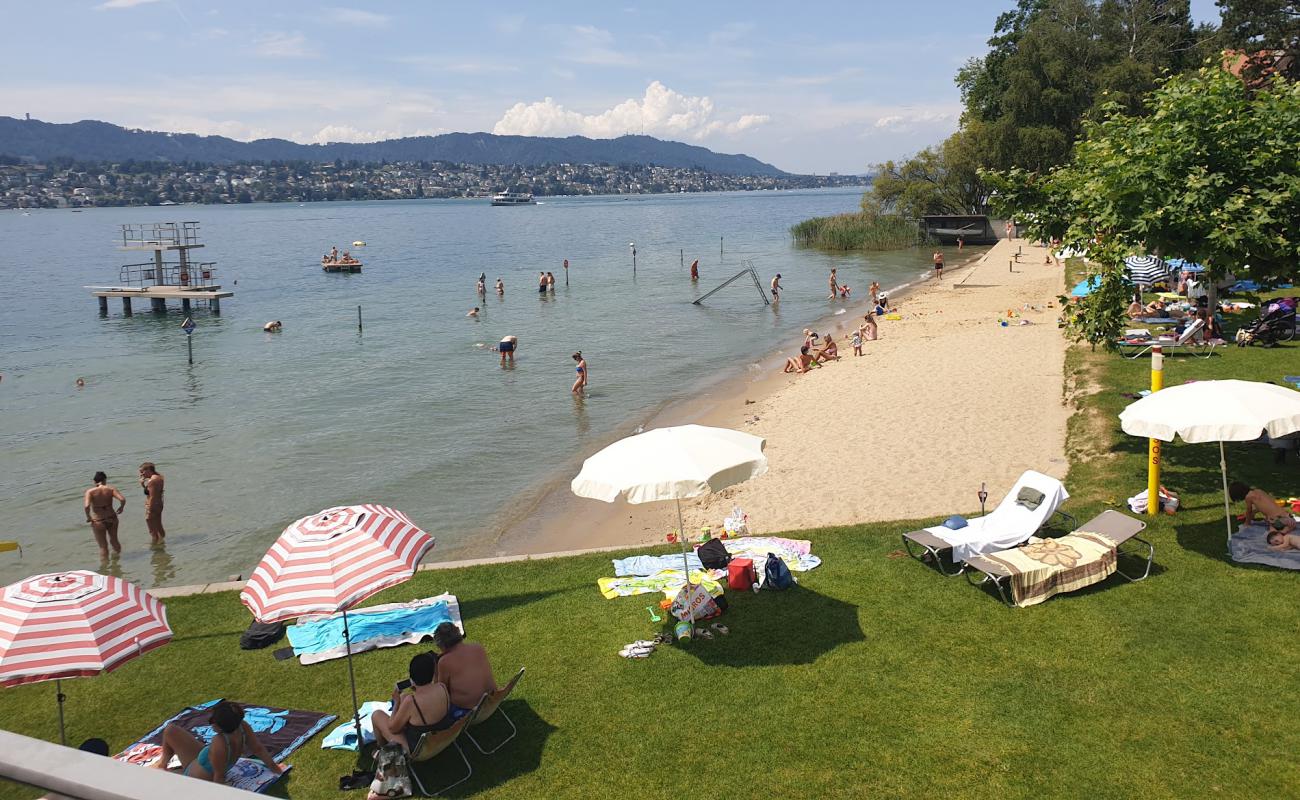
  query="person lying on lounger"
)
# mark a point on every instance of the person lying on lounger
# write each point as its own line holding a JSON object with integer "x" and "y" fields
{"x": 419, "y": 706}
{"x": 1261, "y": 502}
{"x": 209, "y": 762}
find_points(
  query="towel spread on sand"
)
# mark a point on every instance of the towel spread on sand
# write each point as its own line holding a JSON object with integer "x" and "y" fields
{"x": 281, "y": 730}
{"x": 668, "y": 581}
{"x": 1249, "y": 546}
{"x": 1047, "y": 567}
{"x": 344, "y": 737}
{"x": 320, "y": 638}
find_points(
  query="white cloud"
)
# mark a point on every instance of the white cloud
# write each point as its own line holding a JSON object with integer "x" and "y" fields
{"x": 661, "y": 112}
{"x": 115, "y": 4}
{"x": 587, "y": 44}
{"x": 357, "y": 17}
{"x": 912, "y": 119}
{"x": 283, "y": 45}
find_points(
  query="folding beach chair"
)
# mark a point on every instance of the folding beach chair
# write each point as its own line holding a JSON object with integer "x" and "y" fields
{"x": 431, "y": 744}
{"x": 491, "y": 703}
{"x": 1013, "y": 521}
{"x": 1183, "y": 342}
{"x": 1065, "y": 574}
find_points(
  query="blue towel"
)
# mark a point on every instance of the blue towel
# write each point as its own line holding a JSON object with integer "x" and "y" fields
{"x": 344, "y": 737}
{"x": 650, "y": 565}
{"x": 327, "y": 634}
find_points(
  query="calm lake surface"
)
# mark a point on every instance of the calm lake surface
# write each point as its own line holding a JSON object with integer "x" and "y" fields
{"x": 414, "y": 412}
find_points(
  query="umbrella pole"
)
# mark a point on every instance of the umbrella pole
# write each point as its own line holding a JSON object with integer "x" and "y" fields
{"x": 352, "y": 678}
{"x": 686, "y": 564}
{"x": 1227, "y": 509}
{"x": 58, "y": 694}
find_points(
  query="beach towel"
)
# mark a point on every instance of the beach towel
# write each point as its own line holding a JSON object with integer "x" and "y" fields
{"x": 281, "y": 730}
{"x": 668, "y": 581}
{"x": 1047, "y": 567}
{"x": 796, "y": 553}
{"x": 344, "y": 737}
{"x": 1249, "y": 546}
{"x": 650, "y": 565}
{"x": 1009, "y": 523}
{"x": 320, "y": 638}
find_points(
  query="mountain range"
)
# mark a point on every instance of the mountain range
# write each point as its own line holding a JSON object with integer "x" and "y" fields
{"x": 91, "y": 140}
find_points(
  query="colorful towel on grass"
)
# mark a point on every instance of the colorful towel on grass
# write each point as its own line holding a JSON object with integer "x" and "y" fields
{"x": 344, "y": 737}
{"x": 668, "y": 581}
{"x": 651, "y": 565}
{"x": 281, "y": 730}
{"x": 320, "y": 638}
{"x": 796, "y": 553}
{"x": 1249, "y": 545}
{"x": 1047, "y": 567}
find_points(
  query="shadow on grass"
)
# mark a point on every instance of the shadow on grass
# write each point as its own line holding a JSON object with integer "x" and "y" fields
{"x": 796, "y": 626}
{"x": 520, "y": 756}
{"x": 1209, "y": 539}
{"x": 482, "y": 606}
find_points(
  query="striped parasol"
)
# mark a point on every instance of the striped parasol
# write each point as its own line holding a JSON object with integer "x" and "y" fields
{"x": 75, "y": 625}
{"x": 331, "y": 561}
{"x": 1146, "y": 270}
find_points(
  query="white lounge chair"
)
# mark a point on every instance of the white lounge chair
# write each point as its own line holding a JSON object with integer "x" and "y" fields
{"x": 1013, "y": 521}
{"x": 1186, "y": 341}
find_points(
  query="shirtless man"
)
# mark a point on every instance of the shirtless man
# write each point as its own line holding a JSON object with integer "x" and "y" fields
{"x": 938, "y": 265}
{"x": 463, "y": 668}
{"x": 100, "y": 514}
{"x": 473, "y": 312}
{"x": 835, "y": 286}
{"x": 501, "y": 288}
{"x": 776, "y": 287}
{"x": 151, "y": 480}
{"x": 507, "y": 348}
{"x": 1258, "y": 501}
{"x": 801, "y": 364}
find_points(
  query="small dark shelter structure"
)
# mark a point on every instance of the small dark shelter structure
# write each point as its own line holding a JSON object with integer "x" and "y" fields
{"x": 972, "y": 228}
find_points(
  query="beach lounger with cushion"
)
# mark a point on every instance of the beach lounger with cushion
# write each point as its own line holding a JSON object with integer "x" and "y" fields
{"x": 1186, "y": 341}
{"x": 491, "y": 703}
{"x": 1013, "y": 521}
{"x": 1029, "y": 574}
{"x": 431, "y": 744}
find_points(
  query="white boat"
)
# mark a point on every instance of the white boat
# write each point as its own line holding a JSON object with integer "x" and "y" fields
{"x": 513, "y": 199}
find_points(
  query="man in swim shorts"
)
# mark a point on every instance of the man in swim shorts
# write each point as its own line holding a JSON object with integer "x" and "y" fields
{"x": 1258, "y": 501}
{"x": 776, "y": 287}
{"x": 507, "y": 349}
{"x": 463, "y": 668}
{"x": 151, "y": 480}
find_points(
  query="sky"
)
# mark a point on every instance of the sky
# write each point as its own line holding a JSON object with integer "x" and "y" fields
{"x": 808, "y": 86}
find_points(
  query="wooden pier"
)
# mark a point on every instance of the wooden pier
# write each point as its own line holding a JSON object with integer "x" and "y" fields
{"x": 160, "y": 280}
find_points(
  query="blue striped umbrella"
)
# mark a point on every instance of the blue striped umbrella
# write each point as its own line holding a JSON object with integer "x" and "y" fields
{"x": 1146, "y": 270}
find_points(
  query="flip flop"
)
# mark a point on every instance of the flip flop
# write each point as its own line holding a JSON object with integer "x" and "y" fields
{"x": 720, "y": 628}
{"x": 703, "y": 633}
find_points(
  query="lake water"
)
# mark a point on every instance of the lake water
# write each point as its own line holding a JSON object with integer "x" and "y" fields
{"x": 414, "y": 412}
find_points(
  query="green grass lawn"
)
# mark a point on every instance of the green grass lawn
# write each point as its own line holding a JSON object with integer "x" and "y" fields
{"x": 874, "y": 677}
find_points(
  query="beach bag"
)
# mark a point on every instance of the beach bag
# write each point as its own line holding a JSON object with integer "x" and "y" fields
{"x": 261, "y": 634}
{"x": 713, "y": 554}
{"x": 741, "y": 574}
{"x": 392, "y": 773}
{"x": 694, "y": 598}
{"x": 777, "y": 574}
{"x": 955, "y": 523}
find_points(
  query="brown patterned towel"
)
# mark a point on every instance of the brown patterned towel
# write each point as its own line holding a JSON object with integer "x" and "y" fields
{"x": 1048, "y": 567}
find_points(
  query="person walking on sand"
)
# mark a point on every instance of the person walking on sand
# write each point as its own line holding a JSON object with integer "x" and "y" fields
{"x": 581, "y": 383}
{"x": 776, "y": 287}
{"x": 101, "y": 516}
{"x": 507, "y": 348}
{"x": 938, "y": 265}
{"x": 835, "y": 286}
{"x": 151, "y": 480}
{"x": 857, "y": 342}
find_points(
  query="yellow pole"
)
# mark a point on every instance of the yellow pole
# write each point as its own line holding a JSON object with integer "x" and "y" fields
{"x": 1153, "y": 445}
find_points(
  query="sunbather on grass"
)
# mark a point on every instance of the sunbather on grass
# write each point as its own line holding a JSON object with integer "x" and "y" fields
{"x": 234, "y": 738}
{"x": 1283, "y": 541}
{"x": 420, "y": 706}
{"x": 1261, "y": 502}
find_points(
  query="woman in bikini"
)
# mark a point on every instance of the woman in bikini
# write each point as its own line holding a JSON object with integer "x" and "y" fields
{"x": 423, "y": 709}
{"x": 581, "y": 382}
{"x": 101, "y": 516}
{"x": 209, "y": 762}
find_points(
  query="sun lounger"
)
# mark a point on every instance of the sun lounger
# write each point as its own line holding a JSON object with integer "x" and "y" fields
{"x": 1184, "y": 342}
{"x": 490, "y": 705}
{"x": 1029, "y": 574}
{"x": 431, "y": 744}
{"x": 1007, "y": 525}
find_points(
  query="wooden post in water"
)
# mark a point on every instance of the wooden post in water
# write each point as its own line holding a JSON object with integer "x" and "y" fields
{"x": 719, "y": 248}
{"x": 126, "y": 306}
{"x": 359, "y": 319}
{"x": 682, "y": 257}
{"x": 103, "y": 306}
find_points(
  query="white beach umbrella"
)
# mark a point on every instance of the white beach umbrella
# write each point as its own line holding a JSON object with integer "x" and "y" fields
{"x": 1215, "y": 411}
{"x": 672, "y": 464}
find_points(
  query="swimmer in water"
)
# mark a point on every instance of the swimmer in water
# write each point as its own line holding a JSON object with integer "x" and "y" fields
{"x": 481, "y": 288}
{"x": 273, "y": 325}
{"x": 835, "y": 286}
{"x": 581, "y": 382}
{"x": 695, "y": 270}
{"x": 550, "y": 281}
{"x": 501, "y": 288}
{"x": 776, "y": 287}
{"x": 81, "y": 383}
{"x": 541, "y": 283}
{"x": 507, "y": 349}
{"x": 101, "y": 516}
{"x": 473, "y": 312}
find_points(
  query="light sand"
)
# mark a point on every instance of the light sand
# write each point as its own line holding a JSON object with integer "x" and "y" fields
{"x": 945, "y": 399}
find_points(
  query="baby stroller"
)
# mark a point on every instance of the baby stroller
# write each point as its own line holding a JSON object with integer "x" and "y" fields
{"x": 1276, "y": 324}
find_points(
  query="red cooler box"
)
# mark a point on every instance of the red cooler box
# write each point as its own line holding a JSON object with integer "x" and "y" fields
{"x": 741, "y": 574}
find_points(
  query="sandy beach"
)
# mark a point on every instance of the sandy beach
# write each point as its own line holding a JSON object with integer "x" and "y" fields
{"x": 946, "y": 398}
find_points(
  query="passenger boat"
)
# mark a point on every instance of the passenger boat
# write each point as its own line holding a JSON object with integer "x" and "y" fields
{"x": 513, "y": 199}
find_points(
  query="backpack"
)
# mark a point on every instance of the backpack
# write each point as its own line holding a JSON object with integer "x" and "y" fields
{"x": 392, "y": 773}
{"x": 261, "y": 634}
{"x": 713, "y": 554}
{"x": 777, "y": 573}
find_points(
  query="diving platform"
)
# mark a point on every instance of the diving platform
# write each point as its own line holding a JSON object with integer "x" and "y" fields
{"x": 162, "y": 279}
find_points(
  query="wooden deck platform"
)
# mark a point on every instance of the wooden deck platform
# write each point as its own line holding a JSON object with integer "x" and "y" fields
{"x": 161, "y": 292}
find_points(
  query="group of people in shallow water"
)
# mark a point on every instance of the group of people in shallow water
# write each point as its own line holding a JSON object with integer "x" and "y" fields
{"x": 441, "y": 688}
{"x": 509, "y": 345}
{"x": 103, "y": 518}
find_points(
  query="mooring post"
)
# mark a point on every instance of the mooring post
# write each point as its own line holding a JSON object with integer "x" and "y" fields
{"x": 682, "y": 257}
{"x": 189, "y": 345}
{"x": 359, "y": 319}
{"x": 185, "y": 305}
{"x": 215, "y": 305}
{"x": 126, "y": 306}
{"x": 719, "y": 248}
{"x": 158, "y": 304}
{"x": 103, "y": 306}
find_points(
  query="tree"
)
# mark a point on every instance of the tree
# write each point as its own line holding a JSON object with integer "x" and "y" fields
{"x": 1212, "y": 175}
{"x": 938, "y": 180}
{"x": 1261, "y": 24}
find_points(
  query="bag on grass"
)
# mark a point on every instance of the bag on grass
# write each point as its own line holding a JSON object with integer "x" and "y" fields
{"x": 694, "y": 598}
{"x": 777, "y": 574}
{"x": 741, "y": 574}
{"x": 261, "y": 634}
{"x": 392, "y": 773}
{"x": 713, "y": 554}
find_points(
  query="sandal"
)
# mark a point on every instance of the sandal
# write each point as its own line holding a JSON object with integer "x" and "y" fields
{"x": 703, "y": 633}
{"x": 720, "y": 628}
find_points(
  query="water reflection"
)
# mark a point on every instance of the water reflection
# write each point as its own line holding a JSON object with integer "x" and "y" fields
{"x": 583, "y": 422}
{"x": 164, "y": 568}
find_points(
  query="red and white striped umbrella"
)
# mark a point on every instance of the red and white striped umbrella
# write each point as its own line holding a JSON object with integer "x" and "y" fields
{"x": 75, "y": 624}
{"x": 333, "y": 560}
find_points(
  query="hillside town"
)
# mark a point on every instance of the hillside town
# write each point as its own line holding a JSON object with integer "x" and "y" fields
{"x": 64, "y": 183}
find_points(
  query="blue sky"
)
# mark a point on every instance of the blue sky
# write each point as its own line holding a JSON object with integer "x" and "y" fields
{"x": 810, "y": 86}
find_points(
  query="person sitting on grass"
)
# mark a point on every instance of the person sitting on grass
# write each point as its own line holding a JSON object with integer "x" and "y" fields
{"x": 1260, "y": 502}
{"x": 1135, "y": 309}
{"x": 829, "y": 350}
{"x": 1283, "y": 541}
{"x": 209, "y": 762}
{"x": 463, "y": 668}
{"x": 422, "y": 707}
{"x": 802, "y": 364}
